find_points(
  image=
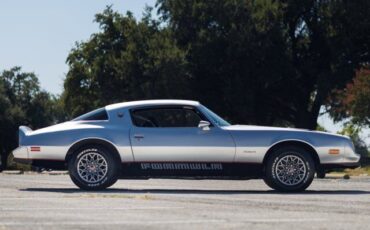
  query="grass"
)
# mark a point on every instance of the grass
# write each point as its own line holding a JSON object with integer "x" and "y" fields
{"x": 362, "y": 171}
{"x": 348, "y": 173}
{"x": 16, "y": 166}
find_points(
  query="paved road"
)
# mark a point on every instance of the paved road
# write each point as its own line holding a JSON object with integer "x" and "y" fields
{"x": 40, "y": 201}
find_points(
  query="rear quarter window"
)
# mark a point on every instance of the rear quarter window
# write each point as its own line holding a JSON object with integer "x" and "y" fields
{"x": 96, "y": 115}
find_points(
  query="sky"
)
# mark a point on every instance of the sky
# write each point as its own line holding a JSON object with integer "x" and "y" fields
{"x": 38, "y": 35}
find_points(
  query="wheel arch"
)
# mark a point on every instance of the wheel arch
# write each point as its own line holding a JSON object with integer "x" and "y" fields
{"x": 93, "y": 141}
{"x": 297, "y": 143}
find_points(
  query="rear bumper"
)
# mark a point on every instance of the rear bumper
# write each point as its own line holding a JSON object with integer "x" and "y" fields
{"x": 23, "y": 156}
{"x": 21, "y": 152}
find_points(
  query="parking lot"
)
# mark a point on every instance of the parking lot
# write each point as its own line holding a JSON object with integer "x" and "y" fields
{"x": 45, "y": 201}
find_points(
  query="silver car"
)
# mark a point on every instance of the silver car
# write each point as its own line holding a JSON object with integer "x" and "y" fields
{"x": 180, "y": 139}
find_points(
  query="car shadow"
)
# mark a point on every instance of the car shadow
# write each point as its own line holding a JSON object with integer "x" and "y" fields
{"x": 196, "y": 191}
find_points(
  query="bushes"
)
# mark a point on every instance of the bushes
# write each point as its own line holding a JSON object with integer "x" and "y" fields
{"x": 12, "y": 165}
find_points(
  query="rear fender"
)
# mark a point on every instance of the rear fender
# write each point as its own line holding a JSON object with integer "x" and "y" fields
{"x": 24, "y": 131}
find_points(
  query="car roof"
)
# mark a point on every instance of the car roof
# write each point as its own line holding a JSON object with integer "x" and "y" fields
{"x": 151, "y": 102}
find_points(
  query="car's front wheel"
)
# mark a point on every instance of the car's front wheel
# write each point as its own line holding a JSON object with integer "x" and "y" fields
{"x": 289, "y": 169}
{"x": 93, "y": 168}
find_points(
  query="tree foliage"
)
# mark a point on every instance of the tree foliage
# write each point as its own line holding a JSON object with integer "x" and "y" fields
{"x": 353, "y": 102}
{"x": 127, "y": 60}
{"x": 270, "y": 61}
{"x": 353, "y": 132}
{"x": 22, "y": 102}
{"x": 263, "y": 62}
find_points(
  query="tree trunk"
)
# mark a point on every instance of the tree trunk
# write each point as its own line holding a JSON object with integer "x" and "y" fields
{"x": 4, "y": 159}
{"x": 307, "y": 117}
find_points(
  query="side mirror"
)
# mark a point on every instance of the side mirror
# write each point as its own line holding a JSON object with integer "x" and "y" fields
{"x": 204, "y": 125}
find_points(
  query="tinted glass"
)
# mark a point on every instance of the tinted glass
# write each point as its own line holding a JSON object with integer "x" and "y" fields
{"x": 96, "y": 115}
{"x": 165, "y": 117}
{"x": 215, "y": 118}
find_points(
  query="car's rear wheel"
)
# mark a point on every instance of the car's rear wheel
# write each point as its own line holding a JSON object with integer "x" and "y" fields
{"x": 289, "y": 169}
{"x": 93, "y": 168}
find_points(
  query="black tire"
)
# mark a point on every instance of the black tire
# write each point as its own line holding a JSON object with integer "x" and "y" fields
{"x": 321, "y": 174}
{"x": 107, "y": 179}
{"x": 274, "y": 162}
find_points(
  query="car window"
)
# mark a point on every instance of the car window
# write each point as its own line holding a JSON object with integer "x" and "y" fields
{"x": 96, "y": 115}
{"x": 215, "y": 118}
{"x": 165, "y": 117}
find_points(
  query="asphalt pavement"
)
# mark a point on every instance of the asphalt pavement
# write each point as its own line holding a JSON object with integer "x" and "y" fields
{"x": 45, "y": 201}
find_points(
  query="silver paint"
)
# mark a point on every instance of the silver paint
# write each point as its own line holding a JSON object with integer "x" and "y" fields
{"x": 235, "y": 143}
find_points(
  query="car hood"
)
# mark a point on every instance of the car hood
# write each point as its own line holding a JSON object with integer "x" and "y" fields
{"x": 269, "y": 128}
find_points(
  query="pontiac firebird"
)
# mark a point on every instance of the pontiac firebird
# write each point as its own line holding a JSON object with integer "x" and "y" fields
{"x": 180, "y": 139}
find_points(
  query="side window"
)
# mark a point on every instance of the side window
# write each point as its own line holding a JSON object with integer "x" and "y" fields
{"x": 192, "y": 118}
{"x": 96, "y": 115}
{"x": 165, "y": 117}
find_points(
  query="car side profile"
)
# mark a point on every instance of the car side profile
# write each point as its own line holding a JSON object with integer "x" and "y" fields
{"x": 180, "y": 139}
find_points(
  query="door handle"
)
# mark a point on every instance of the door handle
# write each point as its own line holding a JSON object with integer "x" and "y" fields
{"x": 138, "y": 136}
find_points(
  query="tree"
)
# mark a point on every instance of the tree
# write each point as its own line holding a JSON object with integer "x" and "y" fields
{"x": 270, "y": 62}
{"x": 126, "y": 60}
{"x": 353, "y": 102}
{"x": 22, "y": 102}
{"x": 321, "y": 128}
{"x": 263, "y": 62}
{"x": 237, "y": 56}
{"x": 353, "y": 132}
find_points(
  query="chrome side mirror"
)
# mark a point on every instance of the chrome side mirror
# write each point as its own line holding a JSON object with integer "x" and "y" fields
{"x": 204, "y": 125}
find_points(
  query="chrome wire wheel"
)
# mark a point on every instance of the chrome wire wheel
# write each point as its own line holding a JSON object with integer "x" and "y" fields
{"x": 92, "y": 167}
{"x": 290, "y": 170}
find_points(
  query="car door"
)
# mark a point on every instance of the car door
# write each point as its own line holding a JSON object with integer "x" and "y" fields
{"x": 171, "y": 134}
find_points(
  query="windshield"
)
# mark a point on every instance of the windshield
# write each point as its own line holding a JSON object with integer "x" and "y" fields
{"x": 215, "y": 118}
